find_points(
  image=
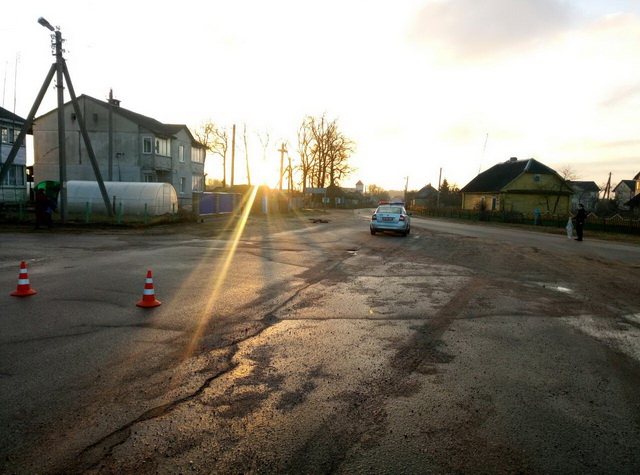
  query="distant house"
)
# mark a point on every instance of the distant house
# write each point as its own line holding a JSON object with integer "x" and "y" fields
{"x": 586, "y": 194}
{"x": 520, "y": 186}
{"x": 336, "y": 196}
{"x": 633, "y": 203}
{"x": 426, "y": 196}
{"x": 13, "y": 189}
{"x": 625, "y": 190}
{"x": 144, "y": 149}
{"x": 355, "y": 199}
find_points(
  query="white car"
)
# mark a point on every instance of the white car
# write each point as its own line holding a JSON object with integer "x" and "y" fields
{"x": 391, "y": 216}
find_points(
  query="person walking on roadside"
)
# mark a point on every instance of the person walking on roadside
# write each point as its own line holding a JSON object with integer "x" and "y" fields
{"x": 42, "y": 202}
{"x": 581, "y": 217}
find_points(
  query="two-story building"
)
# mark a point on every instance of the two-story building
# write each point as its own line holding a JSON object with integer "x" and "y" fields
{"x": 626, "y": 190}
{"x": 142, "y": 149}
{"x": 13, "y": 189}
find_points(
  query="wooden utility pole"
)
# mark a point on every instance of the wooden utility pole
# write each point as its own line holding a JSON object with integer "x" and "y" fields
{"x": 607, "y": 189}
{"x": 439, "y": 181}
{"x": 290, "y": 187}
{"x": 406, "y": 186}
{"x": 246, "y": 154}
{"x": 59, "y": 68}
{"x": 233, "y": 152}
{"x": 282, "y": 151}
{"x": 110, "y": 161}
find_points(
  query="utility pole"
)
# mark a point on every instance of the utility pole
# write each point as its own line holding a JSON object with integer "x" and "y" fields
{"x": 59, "y": 67}
{"x": 439, "y": 181}
{"x": 233, "y": 152}
{"x": 110, "y": 166}
{"x": 62, "y": 150}
{"x": 406, "y": 186}
{"x": 246, "y": 154}
{"x": 282, "y": 151}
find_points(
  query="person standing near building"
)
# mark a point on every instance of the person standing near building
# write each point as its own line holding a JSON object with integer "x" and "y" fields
{"x": 42, "y": 202}
{"x": 581, "y": 217}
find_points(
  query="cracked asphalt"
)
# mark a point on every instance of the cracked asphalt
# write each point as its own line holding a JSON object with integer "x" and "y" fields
{"x": 319, "y": 348}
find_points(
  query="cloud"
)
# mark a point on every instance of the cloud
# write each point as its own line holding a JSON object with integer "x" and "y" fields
{"x": 468, "y": 29}
{"x": 622, "y": 96}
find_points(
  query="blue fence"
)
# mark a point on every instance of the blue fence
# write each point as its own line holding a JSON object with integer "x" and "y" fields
{"x": 217, "y": 203}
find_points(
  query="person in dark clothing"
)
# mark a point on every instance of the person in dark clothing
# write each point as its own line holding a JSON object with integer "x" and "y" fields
{"x": 581, "y": 217}
{"x": 42, "y": 202}
{"x": 51, "y": 207}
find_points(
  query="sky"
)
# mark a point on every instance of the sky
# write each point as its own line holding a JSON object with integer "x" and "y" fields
{"x": 419, "y": 85}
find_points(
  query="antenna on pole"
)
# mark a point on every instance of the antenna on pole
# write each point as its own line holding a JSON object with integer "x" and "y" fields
{"x": 483, "y": 150}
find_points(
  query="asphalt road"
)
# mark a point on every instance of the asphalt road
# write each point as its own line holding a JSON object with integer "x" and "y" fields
{"x": 322, "y": 349}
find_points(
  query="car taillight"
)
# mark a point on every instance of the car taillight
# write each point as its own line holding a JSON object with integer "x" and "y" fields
{"x": 373, "y": 217}
{"x": 401, "y": 218}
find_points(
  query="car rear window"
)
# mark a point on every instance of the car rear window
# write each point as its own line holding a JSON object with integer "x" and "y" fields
{"x": 390, "y": 209}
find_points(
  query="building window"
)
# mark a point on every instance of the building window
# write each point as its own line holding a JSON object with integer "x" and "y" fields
{"x": 148, "y": 178}
{"x": 146, "y": 145}
{"x": 196, "y": 182}
{"x": 197, "y": 155}
{"x": 16, "y": 133}
{"x": 536, "y": 178}
{"x": 181, "y": 153}
{"x": 183, "y": 184}
{"x": 163, "y": 147}
{"x": 5, "y": 135}
{"x": 15, "y": 176}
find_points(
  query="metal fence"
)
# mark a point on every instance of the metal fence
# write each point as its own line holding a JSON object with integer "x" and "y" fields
{"x": 610, "y": 224}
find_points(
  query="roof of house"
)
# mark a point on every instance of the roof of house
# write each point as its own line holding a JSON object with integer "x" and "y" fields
{"x": 355, "y": 195}
{"x": 631, "y": 184}
{"x": 500, "y": 175}
{"x": 425, "y": 192}
{"x": 637, "y": 177}
{"x": 633, "y": 202}
{"x": 153, "y": 125}
{"x": 8, "y": 115}
{"x": 589, "y": 186}
{"x": 359, "y": 183}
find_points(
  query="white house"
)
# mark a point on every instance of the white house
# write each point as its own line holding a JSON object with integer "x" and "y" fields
{"x": 143, "y": 149}
{"x": 13, "y": 189}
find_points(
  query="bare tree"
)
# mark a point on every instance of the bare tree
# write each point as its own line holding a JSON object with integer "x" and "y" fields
{"x": 377, "y": 193}
{"x": 305, "y": 151}
{"x": 324, "y": 151}
{"x": 264, "y": 137}
{"x": 216, "y": 140}
{"x": 560, "y": 188}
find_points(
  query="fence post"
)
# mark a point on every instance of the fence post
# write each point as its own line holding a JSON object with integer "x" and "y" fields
{"x": 21, "y": 211}
{"x": 87, "y": 212}
{"x": 146, "y": 215}
{"x": 173, "y": 211}
{"x": 119, "y": 213}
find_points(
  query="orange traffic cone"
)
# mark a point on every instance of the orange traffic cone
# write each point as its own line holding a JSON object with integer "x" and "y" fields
{"x": 148, "y": 296}
{"x": 24, "y": 289}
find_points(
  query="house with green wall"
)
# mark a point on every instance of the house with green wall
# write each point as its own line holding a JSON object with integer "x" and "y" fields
{"x": 519, "y": 186}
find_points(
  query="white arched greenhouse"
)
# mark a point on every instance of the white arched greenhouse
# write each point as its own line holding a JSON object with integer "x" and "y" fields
{"x": 159, "y": 198}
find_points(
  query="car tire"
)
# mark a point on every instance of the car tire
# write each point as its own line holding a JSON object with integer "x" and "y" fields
{"x": 373, "y": 232}
{"x": 404, "y": 234}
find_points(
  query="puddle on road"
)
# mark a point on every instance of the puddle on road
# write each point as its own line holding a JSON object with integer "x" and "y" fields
{"x": 557, "y": 288}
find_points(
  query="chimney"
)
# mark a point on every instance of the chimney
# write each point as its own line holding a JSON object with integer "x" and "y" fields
{"x": 513, "y": 159}
{"x": 112, "y": 101}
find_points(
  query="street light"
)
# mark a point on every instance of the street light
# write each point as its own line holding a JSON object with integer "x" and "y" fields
{"x": 45, "y": 23}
